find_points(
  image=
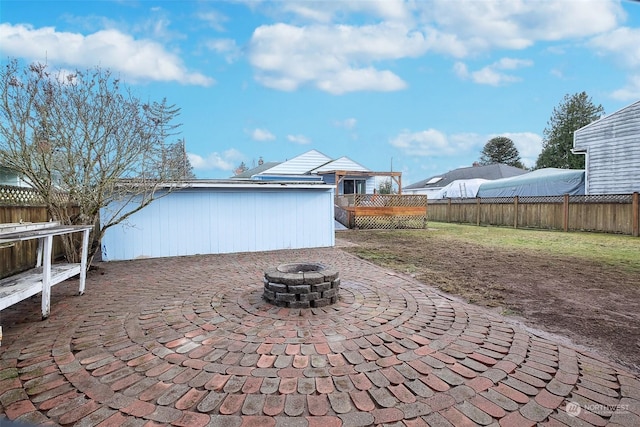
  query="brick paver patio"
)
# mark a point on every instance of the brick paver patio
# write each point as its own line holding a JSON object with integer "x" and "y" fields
{"x": 190, "y": 342}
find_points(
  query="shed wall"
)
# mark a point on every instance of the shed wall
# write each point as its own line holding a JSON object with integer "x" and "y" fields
{"x": 613, "y": 152}
{"x": 211, "y": 221}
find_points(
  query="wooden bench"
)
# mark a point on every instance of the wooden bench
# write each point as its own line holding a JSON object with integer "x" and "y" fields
{"x": 40, "y": 279}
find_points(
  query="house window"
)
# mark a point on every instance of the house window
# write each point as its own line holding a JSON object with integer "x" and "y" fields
{"x": 354, "y": 186}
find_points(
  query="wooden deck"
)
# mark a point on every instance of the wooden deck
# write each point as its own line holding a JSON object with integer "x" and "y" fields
{"x": 382, "y": 211}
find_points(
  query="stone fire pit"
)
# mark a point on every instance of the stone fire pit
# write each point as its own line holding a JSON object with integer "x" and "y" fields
{"x": 301, "y": 285}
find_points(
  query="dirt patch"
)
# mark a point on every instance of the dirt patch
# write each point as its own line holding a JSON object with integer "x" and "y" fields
{"x": 594, "y": 305}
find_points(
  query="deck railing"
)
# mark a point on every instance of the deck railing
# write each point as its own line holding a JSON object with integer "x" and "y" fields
{"x": 381, "y": 211}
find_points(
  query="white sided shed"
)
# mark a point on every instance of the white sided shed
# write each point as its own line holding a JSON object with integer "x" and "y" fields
{"x": 212, "y": 217}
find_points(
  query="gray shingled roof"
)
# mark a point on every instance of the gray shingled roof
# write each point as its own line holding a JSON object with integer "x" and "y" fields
{"x": 494, "y": 171}
{"x": 261, "y": 168}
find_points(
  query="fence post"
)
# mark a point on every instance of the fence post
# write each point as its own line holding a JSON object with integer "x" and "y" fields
{"x": 636, "y": 213}
{"x": 515, "y": 212}
{"x": 449, "y": 210}
{"x": 426, "y": 212}
{"x": 478, "y": 211}
{"x": 566, "y": 213}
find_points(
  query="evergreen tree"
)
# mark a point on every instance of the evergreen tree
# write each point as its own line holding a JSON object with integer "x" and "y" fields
{"x": 175, "y": 159}
{"x": 501, "y": 150}
{"x": 574, "y": 112}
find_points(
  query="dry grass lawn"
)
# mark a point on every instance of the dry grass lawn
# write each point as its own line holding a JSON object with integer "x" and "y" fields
{"x": 584, "y": 286}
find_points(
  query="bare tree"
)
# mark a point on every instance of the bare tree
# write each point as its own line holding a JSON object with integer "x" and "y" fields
{"x": 386, "y": 187}
{"x": 84, "y": 142}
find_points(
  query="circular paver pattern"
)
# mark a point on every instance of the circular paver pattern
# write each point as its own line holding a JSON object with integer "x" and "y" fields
{"x": 190, "y": 341}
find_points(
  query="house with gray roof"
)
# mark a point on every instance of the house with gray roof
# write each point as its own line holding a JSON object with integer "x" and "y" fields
{"x": 468, "y": 176}
{"x": 349, "y": 176}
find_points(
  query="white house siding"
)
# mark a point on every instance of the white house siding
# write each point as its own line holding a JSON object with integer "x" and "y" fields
{"x": 612, "y": 146}
{"x": 431, "y": 192}
{"x": 225, "y": 220}
{"x": 9, "y": 177}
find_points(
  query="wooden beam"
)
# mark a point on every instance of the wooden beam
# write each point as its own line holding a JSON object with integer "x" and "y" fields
{"x": 565, "y": 212}
{"x": 389, "y": 210}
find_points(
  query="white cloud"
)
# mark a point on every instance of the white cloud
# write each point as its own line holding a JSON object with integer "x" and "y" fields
{"x": 350, "y": 80}
{"x": 157, "y": 25}
{"x": 308, "y": 12}
{"x": 472, "y": 26}
{"x": 226, "y": 160}
{"x": 461, "y": 70}
{"x": 214, "y": 19}
{"x": 299, "y": 139}
{"x": 349, "y": 123}
{"x": 434, "y": 143}
{"x": 329, "y": 11}
{"x": 337, "y": 56}
{"x": 623, "y": 46}
{"x": 492, "y": 74}
{"x": 334, "y": 58}
{"x": 630, "y": 92}
{"x": 140, "y": 59}
{"x": 262, "y": 135}
{"x": 428, "y": 142}
{"x": 226, "y": 47}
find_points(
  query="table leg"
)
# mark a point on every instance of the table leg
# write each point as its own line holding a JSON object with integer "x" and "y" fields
{"x": 39, "y": 253}
{"x": 83, "y": 260}
{"x": 46, "y": 276}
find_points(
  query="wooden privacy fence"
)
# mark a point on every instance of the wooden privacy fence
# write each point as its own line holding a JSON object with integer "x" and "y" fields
{"x": 19, "y": 204}
{"x": 380, "y": 211}
{"x": 600, "y": 213}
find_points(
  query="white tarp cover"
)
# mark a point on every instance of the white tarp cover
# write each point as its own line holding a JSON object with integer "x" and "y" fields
{"x": 459, "y": 189}
{"x": 541, "y": 182}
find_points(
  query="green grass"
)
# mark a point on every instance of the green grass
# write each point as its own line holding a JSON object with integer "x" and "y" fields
{"x": 610, "y": 249}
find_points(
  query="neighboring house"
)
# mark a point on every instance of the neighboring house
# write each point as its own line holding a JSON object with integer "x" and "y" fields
{"x": 12, "y": 178}
{"x": 249, "y": 173}
{"x": 348, "y": 176}
{"x": 612, "y": 149}
{"x": 465, "y": 178}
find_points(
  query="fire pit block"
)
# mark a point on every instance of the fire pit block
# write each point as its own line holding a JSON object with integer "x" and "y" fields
{"x": 301, "y": 285}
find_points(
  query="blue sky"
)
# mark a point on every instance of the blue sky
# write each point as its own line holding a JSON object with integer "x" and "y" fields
{"x": 417, "y": 86}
